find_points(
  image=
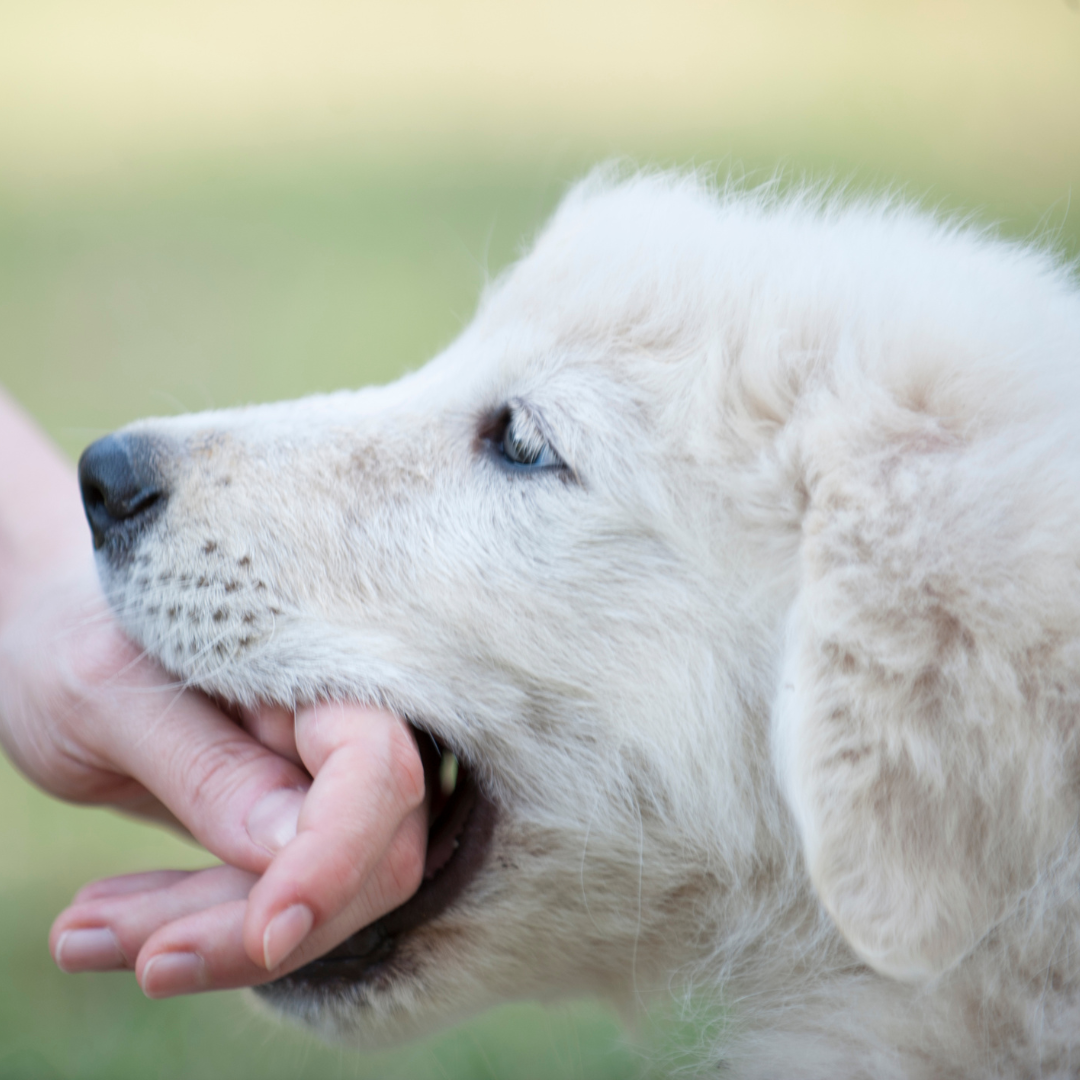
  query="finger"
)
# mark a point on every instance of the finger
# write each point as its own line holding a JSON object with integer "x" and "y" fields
{"x": 127, "y": 883}
{"x": 368, "y": 788}
{"x": 106, "y": 933}
{"x": 205, "y": 951}
{"x": 191, "y": 920}
{"x": 236, "y": 797}
{"x": 274, "y": 727}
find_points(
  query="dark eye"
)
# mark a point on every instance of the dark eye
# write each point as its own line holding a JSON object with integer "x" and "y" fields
{"x": 521, "y": 443}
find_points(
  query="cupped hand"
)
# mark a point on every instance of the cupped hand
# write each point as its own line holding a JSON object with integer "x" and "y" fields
{"x": 356, "y": 852}
{"x": 90, "y": 719}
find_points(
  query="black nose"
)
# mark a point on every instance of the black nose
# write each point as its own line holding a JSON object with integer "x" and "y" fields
{"x": 120, "y": 485}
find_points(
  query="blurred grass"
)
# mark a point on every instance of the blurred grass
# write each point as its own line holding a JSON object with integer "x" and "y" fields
{"x": 241, "y": 285}
{"x": 179, "y": 231}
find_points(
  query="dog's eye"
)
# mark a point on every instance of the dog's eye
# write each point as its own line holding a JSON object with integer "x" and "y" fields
{"x": 521, "y": 443}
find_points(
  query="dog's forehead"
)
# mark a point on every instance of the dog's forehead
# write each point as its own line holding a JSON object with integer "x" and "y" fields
{"x": 615, "y": 264}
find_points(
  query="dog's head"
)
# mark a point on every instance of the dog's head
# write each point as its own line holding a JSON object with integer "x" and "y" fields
{"x": 569, "y": 549}
{"x": 521, "y": 549}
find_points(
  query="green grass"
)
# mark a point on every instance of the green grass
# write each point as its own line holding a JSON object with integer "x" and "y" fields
{"x": 233, "y": 279}
{"x": 243, "y": 287}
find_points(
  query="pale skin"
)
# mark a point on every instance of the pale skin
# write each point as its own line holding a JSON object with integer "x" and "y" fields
{"x": 319, "y": 818}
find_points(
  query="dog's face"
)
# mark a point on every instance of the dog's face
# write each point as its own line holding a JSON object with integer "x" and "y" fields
{"x": 526, "y": 549}
{"x": 713, "y": 550}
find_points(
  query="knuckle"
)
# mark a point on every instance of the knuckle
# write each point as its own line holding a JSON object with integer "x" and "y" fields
{"x": 213, "y": 775}
{"x": 86, "y": 895}
{"x": 314, "y": 735}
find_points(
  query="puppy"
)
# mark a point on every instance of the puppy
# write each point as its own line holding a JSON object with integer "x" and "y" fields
{"x": 734, "y": 551}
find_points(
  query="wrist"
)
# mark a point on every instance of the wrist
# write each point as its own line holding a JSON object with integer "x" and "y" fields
{"x": 25, "y": 582}
{"x": 54, "y": 626}
{"x": 42, "y": 530}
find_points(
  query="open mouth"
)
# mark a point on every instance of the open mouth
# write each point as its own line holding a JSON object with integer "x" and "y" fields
{"x": 461, "y": 820}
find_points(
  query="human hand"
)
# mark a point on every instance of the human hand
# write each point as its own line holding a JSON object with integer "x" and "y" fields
{"x": 353, "y": 857}
{"x": 90, "y": 719}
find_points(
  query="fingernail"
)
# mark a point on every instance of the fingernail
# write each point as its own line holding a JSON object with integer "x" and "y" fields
{"x": 90, "y": 949}
{"x": 271, "y": 822}
{"x": 285, "y": 932}
{"x": 174, "y": 973}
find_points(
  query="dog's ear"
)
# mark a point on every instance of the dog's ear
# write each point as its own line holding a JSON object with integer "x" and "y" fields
{"x": 911, "y": 739}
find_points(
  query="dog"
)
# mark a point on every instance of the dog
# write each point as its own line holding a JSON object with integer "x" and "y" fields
{"x": 734, "y": 551}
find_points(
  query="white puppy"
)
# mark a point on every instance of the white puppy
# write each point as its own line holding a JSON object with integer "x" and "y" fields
{"x": 734, "y": 548}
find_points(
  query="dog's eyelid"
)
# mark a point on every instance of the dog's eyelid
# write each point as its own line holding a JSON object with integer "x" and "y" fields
{"x": 526, "y": 424}
{"x": 519, "y": 408}
{"x": 523, "y": 416}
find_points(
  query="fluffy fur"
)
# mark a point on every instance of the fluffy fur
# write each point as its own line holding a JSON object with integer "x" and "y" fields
{"x": 775, "y": 684}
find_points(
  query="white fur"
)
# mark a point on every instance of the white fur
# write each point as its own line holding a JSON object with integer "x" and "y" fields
{"x": 777, "y": 693}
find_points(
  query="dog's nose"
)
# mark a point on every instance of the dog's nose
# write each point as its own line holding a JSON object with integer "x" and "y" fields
{"x": 119, "y": 484}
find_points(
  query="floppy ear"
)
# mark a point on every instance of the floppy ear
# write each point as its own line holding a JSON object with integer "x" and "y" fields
{"x": 907, "y": 734}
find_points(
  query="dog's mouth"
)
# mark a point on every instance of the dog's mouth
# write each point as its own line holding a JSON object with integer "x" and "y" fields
{"x": 462, "y": 820}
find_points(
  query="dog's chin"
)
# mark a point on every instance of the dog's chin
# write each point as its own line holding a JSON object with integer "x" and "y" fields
{"x": 380, "y": 961}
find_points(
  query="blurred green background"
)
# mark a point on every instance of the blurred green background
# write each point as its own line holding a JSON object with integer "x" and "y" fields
{"x": 222, "y": 201}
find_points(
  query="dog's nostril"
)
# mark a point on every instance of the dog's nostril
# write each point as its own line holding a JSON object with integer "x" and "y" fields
{"x": 119, "y": 483}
